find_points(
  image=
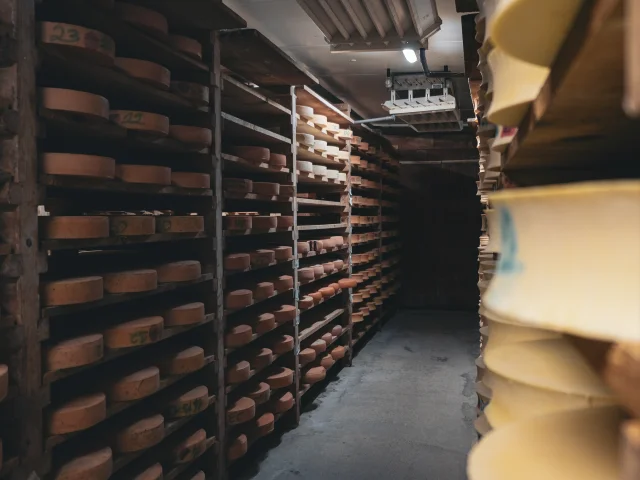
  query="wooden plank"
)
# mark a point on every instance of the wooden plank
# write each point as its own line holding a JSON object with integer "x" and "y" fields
{"x": 118, "y": 241}
{"x": 196, "y": 14}
{"x": 248, "y": 133}
{"x": 320, "y": 133}
{"x": 312, "y": 202}
{"x": 236, "y": 163}
{"x": 239, "y": 99}
{"x": 632, "y": 58}
{"x": 318, "y": 325}
{"x": 328, "y": 226}
{"x": 309, "y": 98}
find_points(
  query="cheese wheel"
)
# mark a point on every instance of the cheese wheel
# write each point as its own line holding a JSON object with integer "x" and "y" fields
{"x": 186, "y": 45}
{"x": 345, "y": 133}
{"x": 283, "y": 344}
{"x": 79, "y": 103}
{"x": 131, "y": 281}
{"x": 338, "y": 265}
{"x": 283, "y": 253}
{"x": 264, "y": 222}
{"x": 238, "y": 373}
{"x": 241, "y": 411}
{"x": 197, "y": 137}
{"x": 154, "y": 472}
{"x": 74, "y": 227}
{"x": 327, "y": 361}
{"x": 320, "y": 170}
{"x": 238, "y": 299}
{"x": 90, "y": 166}
{"x": 238, "y": 222}
{"x": 237, "y": 262}
{"x": 260, "y": 394}
{"x": 286, "y": 313}
{"x": 327, "y": 292}
{"x": 327, "y": 337}
{"x": 338, "y": 352}
{"x": 286, "y": 190}
{"x": 266, "y": 188}
{"x": 140, "y": 435}
{"x": 145, "y": 71}
{"x": 315, "y": 375}
{"x": 180, "y": 224}
{"x": 143, "y": 18}
{"x": 184, "y": 361}
{"x": 332, "y": 174}
{"x": 336, "y": 331}
{"x": 282, "y": 377}
{"x": 131, "y": 225}
{"x": 277, "y": 160}
{"x": 328, "y": 268}
{"x": 318, "y": 271}
{"x": 348, "y": 283}
{"x": 307, "y": 355}
{"x": 145, "y": 122}
{"x": 184, "y": 271}
{"x": 238, "y": 336}
{"x": 342, "y": 177}
{"x": 305, "y": 139}
{"x": 284, "y": 283}
{"x": 304, "y": 166}
{"x": 304, "y": 112}
{"x": 357, "y": 317}
{"x": 190, "y": 403}
{"x": 262, "y": 258}
{"x": 320, "y": 120}
{"x": 4, "y": 387}
{"x": 78, "y": 414}
{"x": 72, "y": 291}
{"x": 284, "y": 221}
{"x": 305, "y": 303}
{"x": 96, "y": 465}
{"x": 283, "y": 403}
{"x": 237, "y": 185}
{"x": 134, "y": 386}
{"x": 182, "y": 315}
{"x": 265, "y": 424}
{"x": 135, "y": 333}
{"x": 191, "y": 448}
{"x": 261, "y": 359}
{"x": 88, "y": 45}
{"x": 193, "y": 91}
{"x": 317, "y": 297}
{"x": 190, "y": 180}
{"x": 329, "y": 243}
{"x": 264, "y": 290}
{"x": 319, "y": 345}
{"x": 237, "y": 447}
{"x": 265, "y": 323}
{"x": 199, "y": 476}
{"x": 303, "y": 248}
{"x": 333, "y": 127}
{"x": 144, "y": 174}
{"x": 251, "y": 154}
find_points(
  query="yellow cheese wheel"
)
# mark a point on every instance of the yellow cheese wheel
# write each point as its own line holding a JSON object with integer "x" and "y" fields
{"x": 185, "y": 361}
{"x": 305, "y": 303}
{"x": 286, "y": 313}
{"x": 197, "y": 137}
{"x": 83, "y": 43}
{"x": 327, "y": 361}
{"x": 283, "y": 253}
{"x": 315, "y": 375}
{"x": 96, "y": 465}
{"x": 135, "y": 333}
{"x": 260, "y": 394}
{"x": 73, "y": 101}
{"x": 186, "y": 45}
{"x": 263, "y": 290}
{"x": 78, "y": 414}
{"x": 280, "y": 378}
{"x": 132, "y": 225}
{"x": 283, "y": 403}
{"x": 238, "y": 299}
{"x": 261, "y": 358}
{"x": 347, "y": 283}
{"x": 143, "y": 18}
{"x": 240, "y": 411}
{"x": 4, "y": 384}
{"x": 284, "y": 283}
{"x": 237, "y": 185}
{"x": 183, "y": 271}
{"x": 136, "y": 385}
{"x": 72, "y": 291}
{"x": 238, "y": 447}
{"x": 238, "y": 373}
{"x": 238, "y": 336}
{"x": 191, "y": 448}
{"x": 144, "y": 174}
{"x": 264, "y": 222}
{"x": 154, "y": 472}
{"x": 266, "y": 188}
{"x": 238, "y": 222}
{"x": 90, "y": 166}
{"x": 190, "y": 403}
{"x": 146, "y": 71}
{"x": 303, "y": 248}
{"x": 131, "y": 281}
{"x": 75, "y": 352}
{"x": 237, "y": 262}
{"x": 265, "y": 424}
{"x": 140, "y": 435}
{"x": 182, "y": 315}
{"x": 265, "y": 323}
{"x": 262, "y": 258}
{"x": 307, "y": 355}
{"x": 193, "y": 91}
{"x": 251, "y": 154}
{"x": 74, "y": 227}
{"x": 283, "y": 344}
{"x": 191, "y": 180}
{"x": 145, "y": 122}
{"x": 179, "y": 224}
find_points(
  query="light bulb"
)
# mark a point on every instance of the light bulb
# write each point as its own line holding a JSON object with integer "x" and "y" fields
{"x": 410, "y": 55}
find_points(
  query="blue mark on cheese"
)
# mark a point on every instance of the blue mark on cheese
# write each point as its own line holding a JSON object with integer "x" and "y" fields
{"x": 509, "y": 262}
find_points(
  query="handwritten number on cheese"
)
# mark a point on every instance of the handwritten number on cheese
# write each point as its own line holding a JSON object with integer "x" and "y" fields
{"x": 62, "y": 34}
{"x": 509, "y": 262}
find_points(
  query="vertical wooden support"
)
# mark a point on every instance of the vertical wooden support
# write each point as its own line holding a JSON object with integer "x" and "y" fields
{"x": 349, "y": 203}
{"x": 380, "y": 230}
{"x": 632, "y": 58}
{"x": 296, "y": 260}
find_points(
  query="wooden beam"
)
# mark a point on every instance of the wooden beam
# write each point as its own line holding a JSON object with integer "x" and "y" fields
{"x": 353, "y": 16}
{"x": 335, "y": 19}
{"x": 391, "y": 7}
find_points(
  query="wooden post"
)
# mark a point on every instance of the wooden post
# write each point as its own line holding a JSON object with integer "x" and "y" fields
{"x": 632, "y": 58}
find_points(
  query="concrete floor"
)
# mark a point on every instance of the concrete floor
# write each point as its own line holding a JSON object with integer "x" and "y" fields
{"x": 403, "y": 411}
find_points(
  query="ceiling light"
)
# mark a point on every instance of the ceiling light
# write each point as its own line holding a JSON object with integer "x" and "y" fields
{"x": 410, "y": 55}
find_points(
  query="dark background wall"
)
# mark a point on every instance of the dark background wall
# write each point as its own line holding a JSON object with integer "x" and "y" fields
{"x": 440, "y": 226}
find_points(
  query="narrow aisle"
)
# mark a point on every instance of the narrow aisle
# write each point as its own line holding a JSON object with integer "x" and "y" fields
{"x": 404, "y": 411}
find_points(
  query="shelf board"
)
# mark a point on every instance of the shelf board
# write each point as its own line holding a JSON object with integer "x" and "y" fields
{"x": 324, "y": 276}
{"x": 312, "y": 179}
{"x": 239, "y": 99}
{"x": 318, "y": 325}
{"x": 229, "y": 273}
{"x": 322, "y": 252}
{"x": 255, "y": 371}
{"x": 312, "y": 202}
{"x": 328, "y": 226}
{"x": 233, "y": 162}
{"x": 256, "y": 197}
{"x": 235, "y": 128}
{"x": 77, "y": 244}
{"x": 256, "y": 302}
{"x": 196, "y": 14}
{"x": 309, "y": 98}
{"x": 241, "y": 233}
{"x": 318, "y": 133}
{"x": 304, "y": 152}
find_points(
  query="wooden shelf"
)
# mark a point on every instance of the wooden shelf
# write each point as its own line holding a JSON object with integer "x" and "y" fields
{"x": 236, "y": 163}
{"x": 241, "y": 233}
{"x": 328, "y": 226}
{"x": 276, "y": 293}
{"x": 311, "y": 179}
{"x": 318, "y": 133}
{"x": 256, "y": 198}
{"x": 243, "y": 100}
{"x": 77, "y": 244}
{"x": 240, "y": 130}
{"x": 196, "y": 14}
{"x": 309, "y": 154}
{"x": 230, "y": 273}
{"x": 312, "y": 202}
{"x": 309, "y": 98}
{"x": 318, "y": 325}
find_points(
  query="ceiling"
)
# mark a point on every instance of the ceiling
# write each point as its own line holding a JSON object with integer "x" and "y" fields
{"x": 355, "y": 77}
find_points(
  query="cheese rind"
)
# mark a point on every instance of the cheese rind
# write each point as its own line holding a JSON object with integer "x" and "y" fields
{"x": 154, "y": 472}
{"x": 237, "y": 262}
{"x": 77, "y": 165}
{"x": 283, "y": 344}
{"x": 191, "y": 448}
{"x": 186, "y": 45}
{"x": 286, "y": 313}
{"x": 263, "y": 290}
{"x": 283, "y": 403}
{"x": 265, "y": 323}
{"x": 261, "y": 358}
{"x": 150, "y": 174}
{"x": 238, "y": 373}
{"x": 262, "y": 258}
{"x": 175, "y": 272}
{"x": 265, "y": 424}
{"x": 140, "y": 435}
{"x": 145, "y": 71}
{"x": 193, "y": 91}
{"x": 189, "y": 403}
{"x": 185, "y": 361}
{"x": 78, "y": 414}
{"x": 72, "y": 291}
{"x": 197, "y": 137}
{"x": 188, "y": 314}
{"x": 144, "y": 122}
{"x": 315, "y": 375}
{"x": 282, "y": 377}
{"x": 261, "y": 393}
{"x": 75, "y": 352}
{"x": 238, "y": 336}
{"x": 96, "y": 465}
{"x": 143, "y": 18}
{"x": 90, "y": 45}
{"x": 132, "y": 225}
{"x": 241, "y": 411}
{"x": 75, "y": 102}
{"x": 134, "y": 386}
{"x": 191, "y": 179}
{"x": 135, "y": 333}
{"x": 75, "y": 227}
{"x": 251, "y": 154}
{"x": 132, "y": 281}
{"x": 307, "y": 355}
{"x": 237, "y": 447}
{"x": 284, "y": 283}
{"x": 179, "y": 224}
{"x": 238, "y": 222}
{"x": 266, "y": 188}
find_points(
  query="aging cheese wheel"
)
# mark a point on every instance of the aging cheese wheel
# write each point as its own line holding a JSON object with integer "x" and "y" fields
{"x": 305, "y": 139}
{"x": 237, "y": 185}
{"x": 136, "y": 385}
{"x": 282, "y": 377}
{"x": 284, "y": 283}
{"x": 264, "y": 222}
{"x": 132, "y": 225}
{"x": 76, "y": 102}
{"x": 266, "y": 188}
{"x": 320, "y": 120}
{"x": 262, "y": 258}
{"x": 146, "y": 71}
{"x": 75, "y": 352}
{"x": 260, "y": 394}
{"x": 184, "y": 271}
{"x": 146, "y": 122}
{"x": 286, "y": 190}
{"x": 190, "y": 180}
{"x": 144, "y": 174}
{"x": 336, "y": 331}
{"x": 357, "y": 317}
{"x": 238, "y": 222}
{"x": 285, "y": 221}
{"x": 315, "y": 375}
{"x": 135, "y": 333}
{"x": 283, "y": 253}
{"x": 90, "y": 166}
{"x": 72, "y": 291}
{"x": 304, "y": 167}
{"x": 237, "y": 262}
{"x": 154, "y": 472}
{"x": 131, "y": 281}
{"x": 327, "y": 292}
{"x": 251, "y": 154}
{"x": 342, "y": 177}
{"x": 317, "y": 297}
{"x": 338, "y": 352}
{"x": 305, "y": 303}
{"x": 143, "y": 18}
{"x": 263, "y": 290}
{"x": 75, "y": 227}
{"x": 348, "y": 283}
{"x": 307, "y": 355}
{"x": 304, "y": 112}
{"x": 186, "y": 45}
{"x": 237, "y": 447}
{"x": 199, "y": 476}
{"x": 320, "y": 170}
{"x": 318, "y": 271}
{"x": 197, "y": 137}
{"x": 303, "y": 248}
{"x": 193, "y": 91}
{"x": 86, "y": 44}
{"x": 277, "y": 160}
{"x": 265, "y": 424}
{"x": 328, "y": 243}
{"x": 4, "y": 386}
{"x": 184, "y": 361}
{"x": 96, "y": 465}
{"x": 238, "y": 299}
{"x": 333, "y": 127}
{"x": 283, "y": 403}
{"x": 238, "y": 336}
{"x": 283, "y": 344}
{"x": 242, "y": 410}
{"x": 265, "y": 323}
{"x": 327, "y": 337}
{"x": 238, "y": 373}
{"x": 188, "y": 314}
{"x": 143, "y": 434}
{"x": 286, "y": 313}
{"x": 190, "y": 403}
{"x": 191, "y": 448}
{"x": 78, "y": 414}
{"x": 319, "y": 345}
{"x": 332, "y": 174}
{"x": 327, "y": 361}
{"x": 180, "y": 224}
{"x": 328, "y": 267}
{"x": 261, "y": 358}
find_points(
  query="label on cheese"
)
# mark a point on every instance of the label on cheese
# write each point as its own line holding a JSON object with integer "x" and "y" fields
{"x": 146, "y": 122}
{"x": 191, "y": 448}
{"x": 191, "y": 403}
{"x": 135, "y": 333}
{"x": 136, "y": 385}
{"x": 90, "y": 45}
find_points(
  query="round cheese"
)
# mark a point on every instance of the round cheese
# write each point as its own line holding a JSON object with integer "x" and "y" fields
{"x": 241, "y": 411}
{"x": 238, "y": 222}
{"x": 303, "y": 248}
{"x": 191, "y": 448}
{"x": 316, "y": 297}
{"x": 320, "y": 170}
{"x": 338, "y": 352}
{"x": 260, "y": 394}
{"x": 261, "y": 359}
{"x": 149, "y": 123}
{"x": 347, "y": 283}
{"x": 327, "y": 337}
{"x": 304, "y": 112}
{"x": 265, "y": 424}
{"x": 238, "y": 299}
{"x": 357, "y": 317}
{"x": 304, "y": 166}
{"x": 283, "y": 344}
{"x": 285, "y": 221}
{"x": 286, "y": 313}
{"x": 283, "y": 253}
{"x": 265, "y": 323}
{"x": 305, "y": 303}
{"x": 237, "y": 185}
{"x": 131, "y": 281}
{"x": 251, "y": 154}
{"x": 140, "y": 435}
{"x": 190, "y": 403}
{"x": 327, "y": 361}
{"x": 237, "y": 262}
{"x": 4, "y": 382}
{"x": 180, "y": 224}
{"x": 146, "y": 71}
{"x": 75, "y": 227}
{"x": 143, "y": 18}
{"x": 286, "y": 190}
{"x": 90, "y": 166}
{"x": 329, "y": 243}
{"x": 284, "y": 283}
{"x": 264, "y": 222}
{"x": 190, "y": 180}
{"x": 336, "y": 331}
{"x": 262, "y": 258}
{"x": 283, "y": 403}
{"x": 318, "y": 271}
{"x": 72, "y": 291}
{"x": 305, "y": 139}
{"x": 333, "y": 127}
{"x": 327, "y": 292}
{"x": 328, "y": 268}
{"x": 182, "y": 315}
{"x": 197, "y": 137}
{"x": 96, "y": 465}
{"x": 83, "y": 43}
{"x": 282, "y": 377}
{"x": 131, "y": 225}
{"x": 195, "y": 92}
{"x": 135, "y": 333}
{"x": 154, "y": 472}
{"x": 320, "y": 120}
{"x": 315, "y": 375}
{"x": 238, "y": 336}
{"x": 184, "y": 271}
{"x": 277, "y": 160}
{"x": 184, "y": 361}
{"x": 307, "y": 355}
{"x": 342, "y": 177}
{"x": 263, "y": 290}
{"x": 332, "y": 174}
{"x": 144, "y": 174}
{"x": 319, "y": 345}
{"x": 78, "y": 414}
{"x": 79, "y": 103}
{"x": 238, "y": 373}
{"x": 238, "y": 447}
{"x": 136, "y": 385}
{"x": 266, "y": 188}
{"x": 186, "y": 45}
